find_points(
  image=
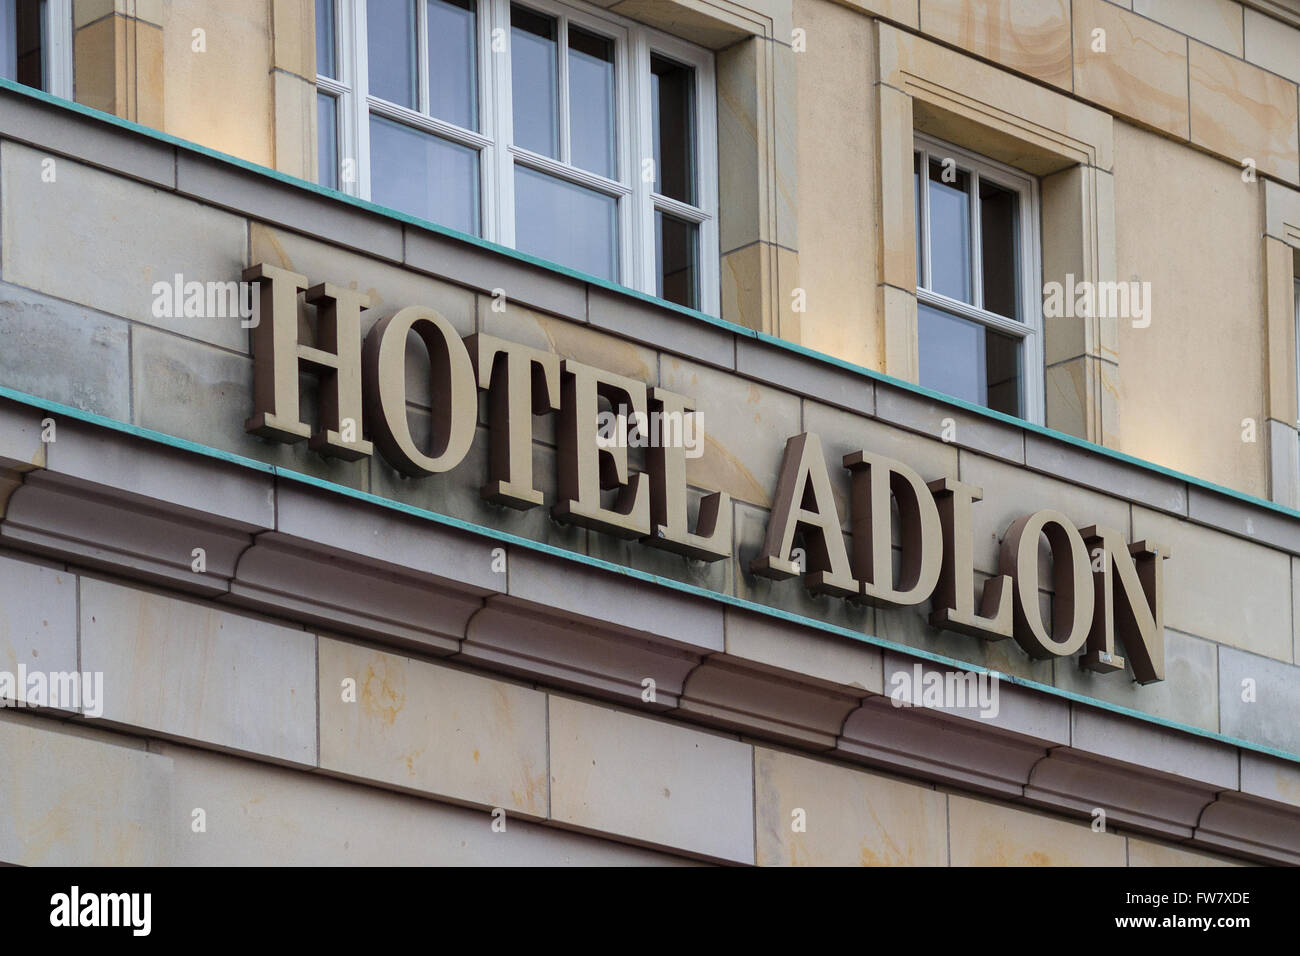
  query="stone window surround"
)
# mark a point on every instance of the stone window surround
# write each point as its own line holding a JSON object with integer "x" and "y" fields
{"x": 922, "y": 86}
{"x": 1281, "y": 269}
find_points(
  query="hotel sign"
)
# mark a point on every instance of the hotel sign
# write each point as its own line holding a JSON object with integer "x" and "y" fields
{"x": 1107, "y": 591}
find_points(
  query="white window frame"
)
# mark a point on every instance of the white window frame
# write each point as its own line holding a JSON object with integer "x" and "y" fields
{"x": 634, "y": 44}
{"x": 1030, "y": 331}
{"x": 56, "y": 49}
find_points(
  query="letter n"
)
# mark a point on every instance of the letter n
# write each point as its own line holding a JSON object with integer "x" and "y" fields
{"x": 1131, "y": 611}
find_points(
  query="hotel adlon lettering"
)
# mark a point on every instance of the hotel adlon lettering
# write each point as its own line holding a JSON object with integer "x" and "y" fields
{"x": 1107, "y": 592}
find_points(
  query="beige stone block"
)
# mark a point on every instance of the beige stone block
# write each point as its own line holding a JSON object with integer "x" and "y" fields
{"x": 188, "y": 670}
{"x": 95, "y": 74}
{"x": 259, "y": 815}
{"x": 38, "y": 621}
{"x": 295, "y": 126}
{"x": 837, "y": 182}
{"x": 1242, "y": 112}
{"x": 982, "y": 833}
{"x": 1272, "y": 44}
{"x": 898, "y": 226}
{"x": 390, "y": 287}
{"x": 745, "y": 429}
{"x": 771, "y": 642}
{"x": 432, "y": 729}
{"x": 899, "y": 11}
{"x": 748, "y": 277}
{"x": 790, "y": 311}
{"x": 992, "y": 111}
{"x": 568, "y": 340}
{"x": 1081, "y": 401}
{"x": 1216, "y": 22}
{"x": 1205, "y": 342}
{"x": 743, "y": 130}
{"x": 1028, "y": 36}
{"x": 88, "y": 11}
{"x": 1146, "y": 853}
{"x": 1142, "y": 73}
{"x": 1279, "y": 276}
{"x": 901, "y": 350}
{"x": 1222, "y": 587}
{"x": 786, "y": 135}
{"x": 852, "y": 818}
{"x": 708, "y": 24}
{"x": 104, "y": 241}
{"x": 76, "y": 797}
{"x": 293, "y": 37}
{"x": 651, "y": 781}
{"x": 220, "y": 96}
{"x": 1011, "y": 491}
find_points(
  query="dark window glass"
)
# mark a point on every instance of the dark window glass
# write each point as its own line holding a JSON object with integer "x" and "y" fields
{"x": 424, "y": 175}
{"x": 916, "y": 201}
{"x": 390, "y": 42}
{"x": 999, "y": 245}
{"x": 453, "y": 62}
{"x": 564, "y": 223}
{"x": 675, "y": 260}
{"x": 672, "y": 101}
{"x": 23, "y": 42}
{"x": 325, "y": 33}
{"x": 969, "y": 361}
{"x": 591, "y": 102}
{"x": 327, "y": 140}
{"x": 534, "y": 59}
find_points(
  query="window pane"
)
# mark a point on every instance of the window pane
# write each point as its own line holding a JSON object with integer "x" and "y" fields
{"x": 327, "y": 141}
{"x": 999, "y": 249}
{"x": 591, "y": 102}
{"x": 672, "y": 100}
{"x": 968, "y": 361}
{"x": 325, "y": 64}
{"x": 675, "y": 260}
{"x": 390, "y": 40}
{"x": 533, "y": 71}
{"x": 22, "y": 41}
{"x": 565, "y": 223}
{"x": 424, "y": 175}
{"x": 950, "y": 246}
{"x": 453, "y": 62}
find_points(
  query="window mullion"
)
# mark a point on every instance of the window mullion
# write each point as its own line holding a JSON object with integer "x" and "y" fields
{"x": 924, "y": 280}
{"x": 976, "y": 245}
{"x": 422, "y": 103}
{"x": 562, "y": 85}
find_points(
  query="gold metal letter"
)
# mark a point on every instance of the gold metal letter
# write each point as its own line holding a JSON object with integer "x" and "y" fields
{"x": 804, "y": 498}
{"x": 521, "y": 382}
{"x": 584, "y": 467}
{"x": 875, "y": 479}
{"x": 954, "y": 598}
{"x": 277, "y": 352}
{"x": 1073, "y": 597}
{"x": 454, "y": 398}
{"x": 666, "y": 462}
{"x": 1137, "y": 615}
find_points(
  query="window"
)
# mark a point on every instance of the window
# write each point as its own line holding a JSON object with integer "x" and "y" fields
{"x": 1297, "y": 348}
{"x": 36, "y": 44}
{"x": 978, "y": 315}
{"x": 560, "y": 130}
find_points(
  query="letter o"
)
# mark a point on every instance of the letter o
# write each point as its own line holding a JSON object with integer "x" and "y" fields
{"x": 1072, "y": 584}
{"x": 454, "y": 398}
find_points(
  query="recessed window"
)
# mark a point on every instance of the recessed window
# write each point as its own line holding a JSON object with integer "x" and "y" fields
{"x": 564, "y": 131}
{"x": 35, "y": 44}
{"x": 978, "y": 316}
